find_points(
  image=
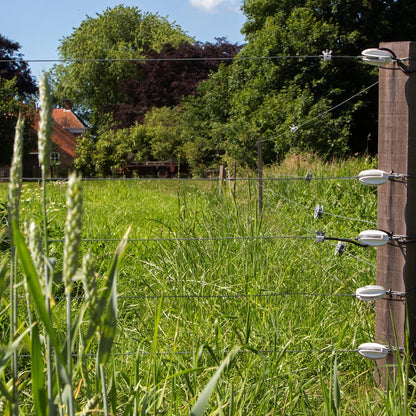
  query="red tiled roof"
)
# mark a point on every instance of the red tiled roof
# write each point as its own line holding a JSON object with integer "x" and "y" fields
{"x": 61, "y": 137}
{"x": 67, "y": 119}
{"x": 64, "y": 139}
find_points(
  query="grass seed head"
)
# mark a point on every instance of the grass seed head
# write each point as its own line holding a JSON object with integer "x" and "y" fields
{"x": 72, "y": 229}
{"x": 34, "y": 242}
{"x": 45, "y": 123}
{"x": 16, "y": 171}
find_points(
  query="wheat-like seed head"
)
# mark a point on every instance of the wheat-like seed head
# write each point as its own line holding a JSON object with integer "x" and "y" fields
{"x": 72, "y": 229}
{"x": 16, "y": 171}
{"x": 45, "y": 123}
{"x": 90, "y": 286}
{"x": 34, "y": 242}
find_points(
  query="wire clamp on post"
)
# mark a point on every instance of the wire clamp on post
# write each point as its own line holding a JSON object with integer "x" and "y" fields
{"x": 320, "y": 236}
{"x": 326, "y": 55}
{"x": 340, "y": 248}
{"x": 319, "y": 210}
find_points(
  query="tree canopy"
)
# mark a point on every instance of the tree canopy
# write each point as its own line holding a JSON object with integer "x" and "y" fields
{"x": 17, "y": 87}
{"x": 98, "y": 56}
{"x": 166, "y": 77}
{"x": 263, "y": 95}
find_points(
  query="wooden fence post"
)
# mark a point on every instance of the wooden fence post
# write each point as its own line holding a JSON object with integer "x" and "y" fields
{"x": 396, "y": 263}
{"x": 235, "y": 179}
{"x": 260, "y": 172}
{"x": 220, "y": 179}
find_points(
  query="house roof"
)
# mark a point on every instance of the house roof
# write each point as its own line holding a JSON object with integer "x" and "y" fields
{"x": 67, "y": 119}
{"x": 61, "y": 137}
{"x": 64, "y": 139}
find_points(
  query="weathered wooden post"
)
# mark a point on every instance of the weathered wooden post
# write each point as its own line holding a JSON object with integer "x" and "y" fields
{"x": 220, "y": 179}
{"x": 260, "y": 173}
{"x": 396, "y": 263}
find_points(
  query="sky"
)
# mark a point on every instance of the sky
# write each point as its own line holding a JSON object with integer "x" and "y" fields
{"x": 38, "y": 26}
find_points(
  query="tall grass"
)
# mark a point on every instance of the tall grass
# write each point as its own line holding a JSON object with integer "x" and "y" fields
{"x": 190, "y": 325}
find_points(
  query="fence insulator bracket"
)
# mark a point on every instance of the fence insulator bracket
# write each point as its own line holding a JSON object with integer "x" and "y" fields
{"x": 318, "y": 212}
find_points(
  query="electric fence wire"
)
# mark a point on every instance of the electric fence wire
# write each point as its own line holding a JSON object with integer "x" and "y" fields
{"x": 312, "y": 209}
{"x": 184, "y": 59}
{"x": 191, "y": 179}
{"x": 217, "y": 352}
{"x": 309, "y": 258}
{"x": 295, "y": 128}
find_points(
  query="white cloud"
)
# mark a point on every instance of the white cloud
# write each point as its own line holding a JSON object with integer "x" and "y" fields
{"x": 213, "y": 6}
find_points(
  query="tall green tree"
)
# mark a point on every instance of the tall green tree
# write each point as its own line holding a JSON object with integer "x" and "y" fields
{"x": 269, "y": 97}
{"x": 96, "y": 56}
{"x": 17, "y": 89}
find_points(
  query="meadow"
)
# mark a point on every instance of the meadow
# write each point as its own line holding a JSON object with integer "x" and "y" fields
{"x": 204, "y": 273}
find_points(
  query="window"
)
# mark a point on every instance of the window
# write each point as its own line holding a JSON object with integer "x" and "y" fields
{"x": 55, "y": 157}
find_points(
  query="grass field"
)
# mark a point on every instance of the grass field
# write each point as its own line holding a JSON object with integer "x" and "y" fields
{"x": 205, "y": 273}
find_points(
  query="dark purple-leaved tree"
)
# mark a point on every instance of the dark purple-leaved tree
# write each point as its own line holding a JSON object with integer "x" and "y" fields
{"x": 166, "y": 77}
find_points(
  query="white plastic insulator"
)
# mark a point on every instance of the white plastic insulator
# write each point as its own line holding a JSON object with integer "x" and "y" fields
{"x": 370, "y": 292}
{"x": 373, "y": 238}
{"x": 373, "y": 350}
{"x": 376, "y": 57}
{"x": 373, "y": 177}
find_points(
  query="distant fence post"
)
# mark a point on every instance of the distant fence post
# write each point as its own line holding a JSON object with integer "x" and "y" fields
{"x": 220, "y": 179}
{"x": 235, "y": 179}
{"x": 260, "y": 173}
{"x": 396, "y": 263}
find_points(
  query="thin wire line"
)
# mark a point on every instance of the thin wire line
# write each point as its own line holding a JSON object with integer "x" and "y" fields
{"x": 329, "y": 242}
{"x": 264, "y": 237}
{"x": 230, "y": 296}
{"x": 339, "y": 105}
{"x": 222, "y": 352}
{"x": 233, "y": 58}
{"x": 323, "y": 212}
{"x": 325, "y": 112}
{"x": 282, "y": 178}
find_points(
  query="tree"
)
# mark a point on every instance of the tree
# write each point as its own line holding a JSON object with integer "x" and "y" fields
{"x": 265, "y": 97}
{"x": 13, "y": 66}
{"x": 17, "y": 88}
{"x": 98, "y": 55}
{"x": 168, "y": 76}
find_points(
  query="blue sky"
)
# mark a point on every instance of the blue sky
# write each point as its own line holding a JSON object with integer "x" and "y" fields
{"x": 39, "y": 25}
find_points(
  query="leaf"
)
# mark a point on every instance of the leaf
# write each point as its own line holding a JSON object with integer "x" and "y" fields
{"x": 109, "y": 321}
{"x": 109, "y": 285}
{"x": 3, "y": 270}
{"x": 36, "y": 293}
{"x": 200, "y": 405}
{"x": 38, "y": 378}
{"x": 337, "y": 393}
{"x": 9, "y": 350}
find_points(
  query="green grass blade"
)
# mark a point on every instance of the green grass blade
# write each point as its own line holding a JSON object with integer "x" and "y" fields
{"x": 201, "y": 404}
{"x": 35, "y": 291}
{"x": 3, "y": 271}
{"x": 38, "y": 378}
{"x": 110, "y": 287}
{"x": 6, "y": 353}
{"x": 337, "y": 392}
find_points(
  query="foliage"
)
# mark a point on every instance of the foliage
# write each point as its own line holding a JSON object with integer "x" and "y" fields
{"x": 13, "y": 66}
{"x": 17, "y": 87}
{"x": 112, "y": 38}
{"x": 158, "y": 138}
{"x": 185, "y": 303}
{"x": 263, "y": 98}
{"x": 167, "y": 77}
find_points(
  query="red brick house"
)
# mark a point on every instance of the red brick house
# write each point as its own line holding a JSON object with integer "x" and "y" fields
{"x": 66, "y": 128}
